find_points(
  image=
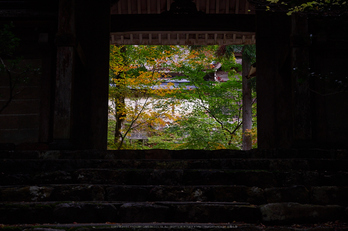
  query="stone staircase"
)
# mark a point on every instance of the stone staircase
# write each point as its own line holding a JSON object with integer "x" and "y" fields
{"x": 176, "y": 190}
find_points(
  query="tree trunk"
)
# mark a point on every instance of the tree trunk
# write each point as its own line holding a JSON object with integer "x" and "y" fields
{"x": 120, "y": 112}
{"x": 119, "y": 117}
{"x": 247, "y": 103}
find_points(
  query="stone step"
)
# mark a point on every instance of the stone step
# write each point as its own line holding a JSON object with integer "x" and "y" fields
{"x": 135, "y": 226}
{"x": 294, "y": 213}
{"x": 322, "y": 195}
{"x": 176, "y": 154}
{"x": 97, "y": 212}
{"x": 328, "y": 226}
{"x": 273, "y": 187}
{"x": 258, "y": 178}
{"x": 47, "y": 165}
{"x": 134, "y": 212}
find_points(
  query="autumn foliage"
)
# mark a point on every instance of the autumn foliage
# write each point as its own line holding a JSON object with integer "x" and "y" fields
{"x": 137, "y": 92}
{"x": 199, "y": 113}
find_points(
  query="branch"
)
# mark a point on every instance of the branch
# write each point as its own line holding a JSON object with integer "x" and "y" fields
{"x": 137, "y": 117}
{"x": 236, "y": 128}
{"x": 218, "y": 121}
{"x": 213, "y": 116}
{"x": 138, "y": 124}
{"x": 134, "y": 120}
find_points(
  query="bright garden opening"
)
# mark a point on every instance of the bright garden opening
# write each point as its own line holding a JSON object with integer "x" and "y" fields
{"x": 180, "y": 97}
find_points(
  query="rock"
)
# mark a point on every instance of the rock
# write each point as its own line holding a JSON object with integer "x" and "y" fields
{"x": 300, "y": 213}
{"x": 52, "y": 154}
{"x": 85, "y": 212}
{"x": 296, "y": 193}
{"x": 144, "y": 212}
{"x": 28, "y": 193}
{"x": 329, "y": 195}
{"x": 40, "y": 193}
{"x": 216, "y": 212}
{"x": 255, "y": 195}
{"x": 78, "y": 193}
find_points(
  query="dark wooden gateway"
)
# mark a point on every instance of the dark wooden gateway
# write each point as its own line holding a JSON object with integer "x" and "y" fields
{"x": 301, "y": 66}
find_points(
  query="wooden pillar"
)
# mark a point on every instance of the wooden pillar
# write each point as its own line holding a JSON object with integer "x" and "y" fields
{"x": 81, "y": 96}
{"x": 274, "y": 93}
{"x": 65, "y": 41}
{"x": 49, "y": 56}
{"x": 302, "y": 119}
{"x": 91, "y": 82}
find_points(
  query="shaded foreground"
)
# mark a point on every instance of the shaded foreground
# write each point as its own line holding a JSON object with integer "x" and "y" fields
{"x": 176, "y": 190}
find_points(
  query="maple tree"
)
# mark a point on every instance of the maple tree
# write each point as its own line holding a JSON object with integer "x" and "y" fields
{"x": 136, "y": 91}
{"x": 248, "y": 53}
{"x": 209, "y": 111}
{"x": 318, "y": 7}
{"x": 215, "y": 118}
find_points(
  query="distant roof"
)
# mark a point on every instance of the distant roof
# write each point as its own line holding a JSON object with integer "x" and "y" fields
{"x": 176, "y": 84}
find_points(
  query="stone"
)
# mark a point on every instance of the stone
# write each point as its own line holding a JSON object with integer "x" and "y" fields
{"x": 300, "y": 213}
{"x": 78, "y": 193}
{"x": 297, "y": 193}
{"x": 85, "y": 212}
{"x": 255, "y": 195}
{"x": 144, "y": 212}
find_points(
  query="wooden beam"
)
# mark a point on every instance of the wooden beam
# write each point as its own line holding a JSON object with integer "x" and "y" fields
{"x": 119, "y": 9}
{"x": 129, "y": 7}
{"x": 148, "y": 6}
{"x": 246, "y": 7}
{"x": 158, "y": 6}
{"x": 217, "y": 7}
{"x": 139, "y": 7}
{"x": 168, "y": 5}
{"x": 158, "y": 22}
{"x": 183, "y": 38}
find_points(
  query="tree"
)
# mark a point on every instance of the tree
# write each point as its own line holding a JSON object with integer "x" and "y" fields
{"x": 211, "y": 111}
{"x": 136, "y": 75}
{"x": 319, "y": 7}
{"x": 214, "y": 118}
{"x": 248, "y": 57}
